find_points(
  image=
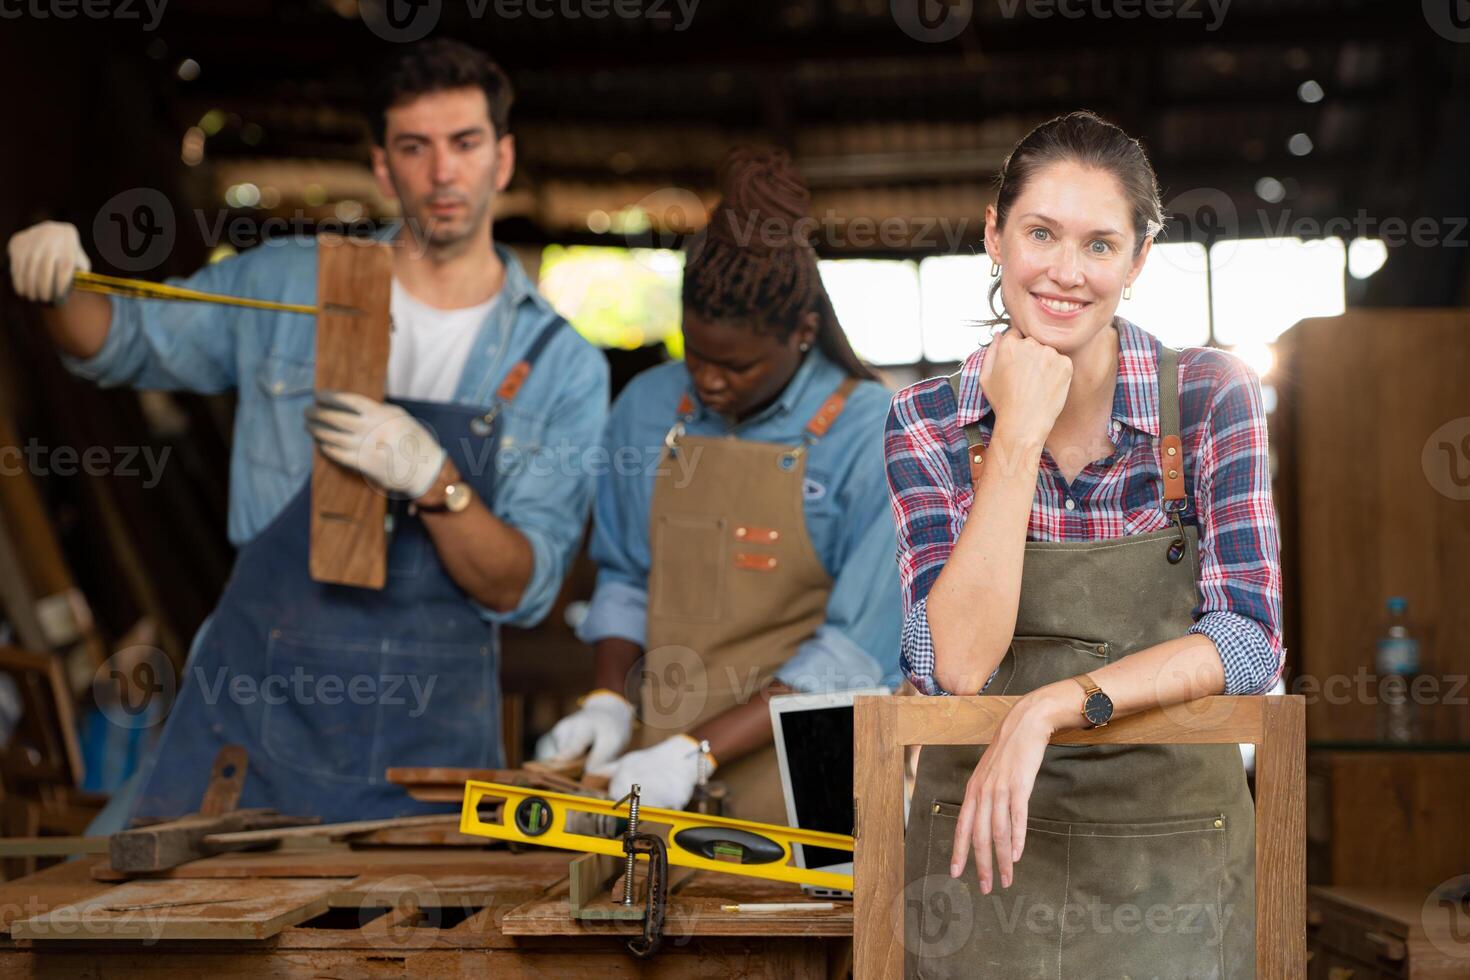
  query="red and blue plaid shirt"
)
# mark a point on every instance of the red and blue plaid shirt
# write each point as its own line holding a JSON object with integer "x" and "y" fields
{"x": 1227, "y": 477}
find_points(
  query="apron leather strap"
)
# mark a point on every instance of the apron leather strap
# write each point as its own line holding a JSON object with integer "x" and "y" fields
{"x": 517, "y": 375}
{"x": 1171, "y": 448}
{"x": 831, "y": 408}
{"x": 819, "y": 424}
{"x": 974, "y": 438}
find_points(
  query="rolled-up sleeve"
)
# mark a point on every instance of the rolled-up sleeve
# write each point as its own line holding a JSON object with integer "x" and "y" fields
{"x": 1240, "y": 565}
{"x": 548, "y": 502}
{"x": 927, "y": 515}
{"x": 174, "y": 346}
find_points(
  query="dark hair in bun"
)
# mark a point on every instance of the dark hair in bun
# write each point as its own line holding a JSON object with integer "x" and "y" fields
{"x": 755, "y": 262}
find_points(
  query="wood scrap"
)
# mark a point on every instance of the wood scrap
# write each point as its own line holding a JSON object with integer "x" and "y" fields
{"x": 330, "y": 831}
{"x": 175, "y": 842}
{"x": 158, "y": 910}
{"x": 51, "y": 846}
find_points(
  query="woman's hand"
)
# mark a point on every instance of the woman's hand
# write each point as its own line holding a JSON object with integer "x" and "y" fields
{"x": 998, "y": 794}
{"x": 1027, "y": 383}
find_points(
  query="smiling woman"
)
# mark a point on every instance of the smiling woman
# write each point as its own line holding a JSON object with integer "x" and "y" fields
{"x": 1085, "y": 522}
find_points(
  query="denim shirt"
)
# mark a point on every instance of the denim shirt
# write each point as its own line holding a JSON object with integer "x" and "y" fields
{"x": 845, "y": 504}
{"x": 269, "y": 358}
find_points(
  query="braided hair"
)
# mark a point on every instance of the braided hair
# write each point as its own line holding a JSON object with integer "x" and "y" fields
{"x": 753, "y": 262}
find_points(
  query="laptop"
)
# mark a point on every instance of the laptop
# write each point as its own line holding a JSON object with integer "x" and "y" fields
{"x": 813, "y": 734}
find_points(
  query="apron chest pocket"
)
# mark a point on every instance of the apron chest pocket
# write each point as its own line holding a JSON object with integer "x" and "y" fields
{"x": 690, "y": 555}
{"x": 1035, "y": 661}
{"x": 345, "y": 709}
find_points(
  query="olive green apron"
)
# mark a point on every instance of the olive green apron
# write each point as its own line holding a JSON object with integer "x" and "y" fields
{"x": 1139, "y": 860}
{"x": 735, "y": 586}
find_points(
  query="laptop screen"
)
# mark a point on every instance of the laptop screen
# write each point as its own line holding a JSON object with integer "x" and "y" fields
{"x": 818, "y": 746}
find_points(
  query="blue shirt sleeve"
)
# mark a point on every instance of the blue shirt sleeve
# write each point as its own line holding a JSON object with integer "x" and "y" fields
{"x": 174, "y": 346}
{"x": 547, "y": 499}
{"x": 857, "y": 644}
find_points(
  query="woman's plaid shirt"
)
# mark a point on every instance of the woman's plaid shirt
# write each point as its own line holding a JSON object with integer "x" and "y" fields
{"x": 1227, "y": 474}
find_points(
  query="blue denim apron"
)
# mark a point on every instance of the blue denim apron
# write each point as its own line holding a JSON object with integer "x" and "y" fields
{"x": 326, "y": 685}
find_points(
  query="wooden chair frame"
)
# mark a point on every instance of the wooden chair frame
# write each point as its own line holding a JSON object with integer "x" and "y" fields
{"x": 1275, "y": 724}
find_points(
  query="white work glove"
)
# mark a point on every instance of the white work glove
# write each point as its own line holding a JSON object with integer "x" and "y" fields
{"x": 666, "y": 773}
{"x": 43, "y": 260}
{"x": 382, "y": 442}
{"x": 600, "y": 728}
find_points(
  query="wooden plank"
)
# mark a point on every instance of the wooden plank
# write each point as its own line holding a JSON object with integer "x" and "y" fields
{"x": 1281, "y": 839}
{"x": 762, "y": 959}
{"x": 48, "y": 888}
{"x": 330, "y": 831}
{"x": 961, "y": 721}
{"x": 349, "y": 544}
{"x": 174, "y": 842}
{"x": 157, "y": 910}
{"x": 877, "y": 773}
{"x": 693, "y": 911}
{"x": 51, "y": 846}
{"x": 337, "y": 860}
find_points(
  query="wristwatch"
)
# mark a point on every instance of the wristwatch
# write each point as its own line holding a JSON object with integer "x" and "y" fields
{"x": 457, "y": 497}
{"x": 1097, "y": 707}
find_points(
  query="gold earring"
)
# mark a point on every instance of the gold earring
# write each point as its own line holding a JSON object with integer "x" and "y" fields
{"x": 1128, "y": 291}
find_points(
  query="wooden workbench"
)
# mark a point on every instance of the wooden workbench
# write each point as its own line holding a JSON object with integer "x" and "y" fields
{"x": 334, "y": 911}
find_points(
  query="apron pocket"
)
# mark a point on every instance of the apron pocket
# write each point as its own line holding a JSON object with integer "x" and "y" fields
{"x": 448, "y": 698}
{"x": 310, "y": 723}
{"x": 343, "y": 709}
{"x": 1144, "y": 899}
{"x": 956, "y": 932}
{"x": 1036, "y": 661}
{"x": 1104, "y": 900}
{"x": 689, "y": 556}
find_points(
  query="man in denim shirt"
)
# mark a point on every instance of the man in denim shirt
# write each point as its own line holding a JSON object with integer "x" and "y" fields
{"x": 326, "y": 685}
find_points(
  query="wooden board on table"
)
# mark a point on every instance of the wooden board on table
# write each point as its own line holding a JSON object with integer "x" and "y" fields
{"x": 160, "y": 910}
{"x": 349, "y": 544}
{"x": 695, "y": 909}
{"x": 338, "y": 860}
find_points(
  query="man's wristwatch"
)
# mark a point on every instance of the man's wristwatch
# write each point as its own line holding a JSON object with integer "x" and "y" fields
{"x": 1097, "y": 707}
{"x": 457, "y": 497}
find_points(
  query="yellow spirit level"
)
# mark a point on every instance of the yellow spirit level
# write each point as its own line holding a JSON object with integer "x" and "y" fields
{"x": 740, "y": 847}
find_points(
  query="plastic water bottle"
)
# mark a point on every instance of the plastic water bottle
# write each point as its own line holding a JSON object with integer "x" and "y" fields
{"x": 1397, "y": 664}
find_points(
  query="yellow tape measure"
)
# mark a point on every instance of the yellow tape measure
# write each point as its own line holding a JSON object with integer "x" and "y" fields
{"x": 739, "y": 847}
{"x": 93, "y": 282}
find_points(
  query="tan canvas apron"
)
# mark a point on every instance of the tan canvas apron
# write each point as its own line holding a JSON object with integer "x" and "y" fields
{"x": 735, "y": 586}
{"x": 1139, "y": 859}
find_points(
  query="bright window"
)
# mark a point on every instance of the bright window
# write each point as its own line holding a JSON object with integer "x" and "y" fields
{"x": 1265, "y": 285}
{"x": 616, "y": 297}
{"x": 877, "y": 303}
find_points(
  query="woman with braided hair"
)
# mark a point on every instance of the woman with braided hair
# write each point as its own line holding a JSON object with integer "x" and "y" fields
{"x": 757, "y": 557}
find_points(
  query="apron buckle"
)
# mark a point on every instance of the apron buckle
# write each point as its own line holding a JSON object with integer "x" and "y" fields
{"x": 482, "y": 425}
{"x": 671, "y": 438}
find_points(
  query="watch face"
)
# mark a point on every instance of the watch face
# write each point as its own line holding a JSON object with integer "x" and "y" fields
{"x": 1099, "y": 708}
{"x": 456, "y": 497}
